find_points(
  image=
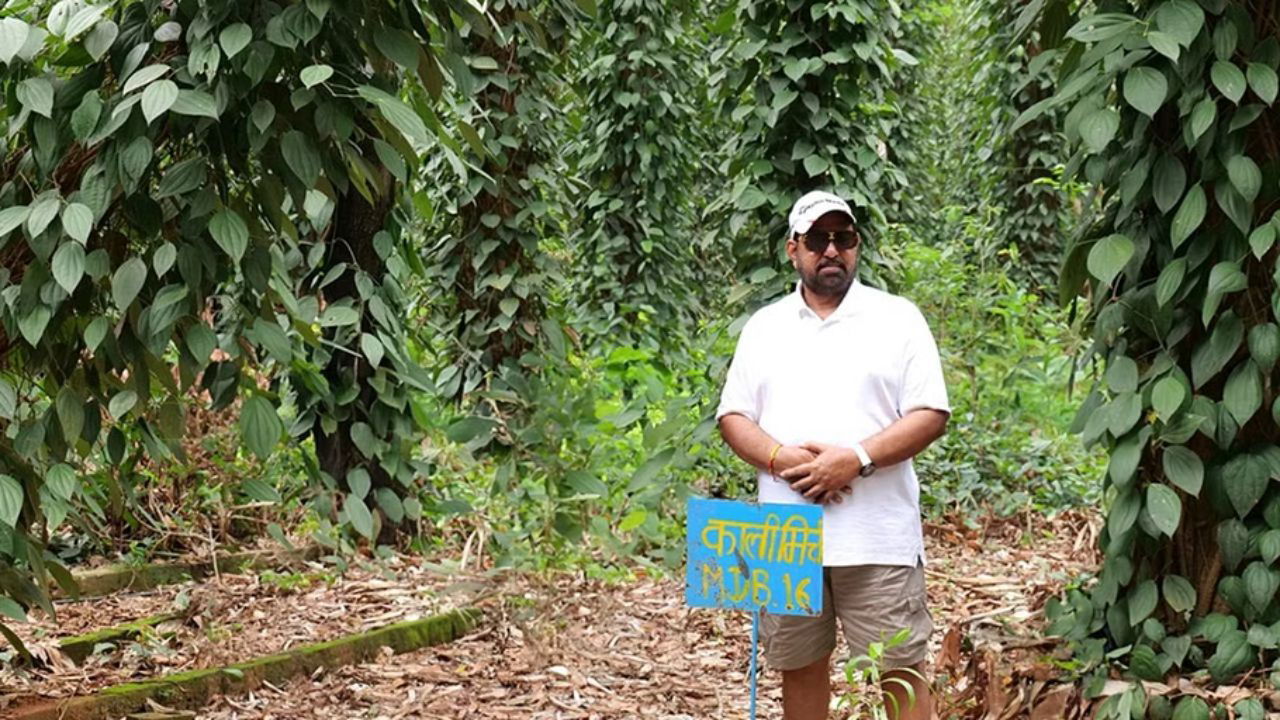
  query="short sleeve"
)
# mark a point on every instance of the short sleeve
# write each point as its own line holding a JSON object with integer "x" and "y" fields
{"x": 740, "y": 395}
{"x": 923, "y": 386}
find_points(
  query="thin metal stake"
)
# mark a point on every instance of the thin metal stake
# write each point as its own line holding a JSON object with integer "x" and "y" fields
{"x": 755, "y": 639}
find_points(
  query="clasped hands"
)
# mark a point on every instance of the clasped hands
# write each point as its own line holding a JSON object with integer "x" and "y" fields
{"x": 820, "y": 472}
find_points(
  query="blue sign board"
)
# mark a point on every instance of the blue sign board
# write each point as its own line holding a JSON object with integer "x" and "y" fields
{"x": 752, "y": 556}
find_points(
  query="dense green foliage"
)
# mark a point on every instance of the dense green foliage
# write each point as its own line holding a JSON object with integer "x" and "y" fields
{"x": 1172, "y": 107}
{"x": 190, "y": 200}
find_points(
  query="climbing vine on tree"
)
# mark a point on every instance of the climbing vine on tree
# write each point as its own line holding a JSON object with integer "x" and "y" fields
{"x": 203, "y": 196}
{"x": 1172, "y": 108}
{"x": 813, "y": 88}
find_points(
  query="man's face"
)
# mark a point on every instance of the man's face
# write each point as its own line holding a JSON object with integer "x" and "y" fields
{"x": 830, "y": 271}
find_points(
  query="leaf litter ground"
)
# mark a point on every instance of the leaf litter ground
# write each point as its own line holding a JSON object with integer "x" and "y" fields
{"x": 559, "y": 646}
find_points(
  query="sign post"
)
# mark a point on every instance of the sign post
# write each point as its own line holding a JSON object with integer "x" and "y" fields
{"x": 754, "y": 557}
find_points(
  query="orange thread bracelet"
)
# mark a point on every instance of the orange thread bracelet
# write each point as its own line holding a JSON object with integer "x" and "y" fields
{"x": 773, "y": 455}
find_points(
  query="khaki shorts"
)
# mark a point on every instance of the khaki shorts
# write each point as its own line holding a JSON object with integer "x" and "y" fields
{"x": 873, "y": 603}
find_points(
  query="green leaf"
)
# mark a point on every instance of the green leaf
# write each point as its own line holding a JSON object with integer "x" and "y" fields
{"x": 1183, "y": 468}
{"x": 258, "y": 490}
{"x": 135, "y": 158}
{"x": 1233, "y": 541}
{"x": 1122, "y": 374}
{"x": 1224, "y": 279}
{"x": 68, "y": 265}
{"x": 1245, "y": 176}
{"x": 121, "y": 403}
{"x": 391, "y": 505}
{"x": 1233, "y": 655}
{"x": 230, "y": 233}
{"x": 647, "y": 473}
{"x": 201, "y": 342}
{"x": 633, "y": 520}
{"x": 260, "y": 426}
{"x": 84, "y": 119}
{"x": 11, "y": 496}
{"x": 358, "y": 515}
{"x": 401, "y": 116}
{"x": 1179, "y": 593}
{"x": 77, "y": 221}
{"x": 1249, "y": 475}
{"x": 101, "y": 38}
{"x": 1098, "y": 128}
{"x": 269, "y": 335}
{"x": 43, "y": 211}
{"x": 1213, "y": 354}
{"x": 1261, "y": 239}
{"x": 1263, "y": 80}
{"x": 359, "y": 482}
{"x": 95, "y": 332}
{"x": 1142, "y": 601}
{"x": 1181, "y": 19}
{"x": 1243, "y": 394}
{"x": 70, "y": 409}
{"x": 12, "y": 217}
{"x": 1169, "y": 180}
{"x": 1202, "y": 117}
{"x": 1165, "y": 44}
{"x": 339, "y": 315}
{"x": 1269, "y": 545}
{"x": 11, "y": 609}
{"x": 1164, "y": 507}
{"x": 366, "y": 442}
{"x": 182, "y": 178}
{"x": 1109, "y": 256}
{"x": 1191, "y": 707}
{"x": 84, "y": 19}
{"x": 36, "y": 94}
{"x": 195, "y": 103}
{"x": 815, "y": 165}
{"x": 61, "y": 481}
{"x": 235, "y": 38}
{"x": 127, "y": 281}
{"x": 399, "y": 46}
{"x": 469, "y": 429}
{"x": 1167, "y": 396}
{"x": 1229, "y": 80}
{"x": 1145, "y": 89}
{"x": 1264, "y": 344}
{"x": 13, "y": 36}
{"x": 263, "y": 114}
{"x": 8, "y": 400}
{"x": 1189, "y": 216}
{"x": 313, "y": 75}
{"x": 157, "y": 98}
{"x": 1260, "y": 585}
{"x": 371, "y": 348}
{"x": 144, "y": 76}
{"x": 32, "y": 324}
{"x": 301, "y": 157}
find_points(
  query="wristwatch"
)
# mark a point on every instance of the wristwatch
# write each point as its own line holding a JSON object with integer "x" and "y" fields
{"x": 868, "y": 465}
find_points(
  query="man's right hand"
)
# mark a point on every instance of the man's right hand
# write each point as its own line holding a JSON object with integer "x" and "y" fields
{"x": 790, "y": 456}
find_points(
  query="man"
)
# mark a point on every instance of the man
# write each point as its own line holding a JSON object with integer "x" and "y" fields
{"x": 831, "y": 392}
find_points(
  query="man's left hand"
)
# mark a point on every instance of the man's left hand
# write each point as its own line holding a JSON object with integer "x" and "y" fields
{"x": 826, "y": 475}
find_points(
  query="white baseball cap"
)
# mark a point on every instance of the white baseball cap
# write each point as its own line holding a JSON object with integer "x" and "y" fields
{"x": 813, "y": 205}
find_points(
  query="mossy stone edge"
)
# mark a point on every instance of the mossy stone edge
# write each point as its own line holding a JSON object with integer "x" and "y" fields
{"x": 193, "y": 689}
{"x": 125, "y": 578}
{"x": 78, "y": 647}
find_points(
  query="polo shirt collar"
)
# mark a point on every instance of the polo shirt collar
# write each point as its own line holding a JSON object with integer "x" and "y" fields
{"x": 847, "y": 307}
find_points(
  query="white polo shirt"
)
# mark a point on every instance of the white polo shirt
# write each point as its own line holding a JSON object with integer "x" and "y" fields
{"x": 840, "y": 381}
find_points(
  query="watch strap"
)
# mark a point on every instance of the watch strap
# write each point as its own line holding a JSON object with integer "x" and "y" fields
{"x": 863, "y": 457}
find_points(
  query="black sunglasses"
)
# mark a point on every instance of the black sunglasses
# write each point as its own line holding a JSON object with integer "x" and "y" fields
{"x": 817, "y": 242}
